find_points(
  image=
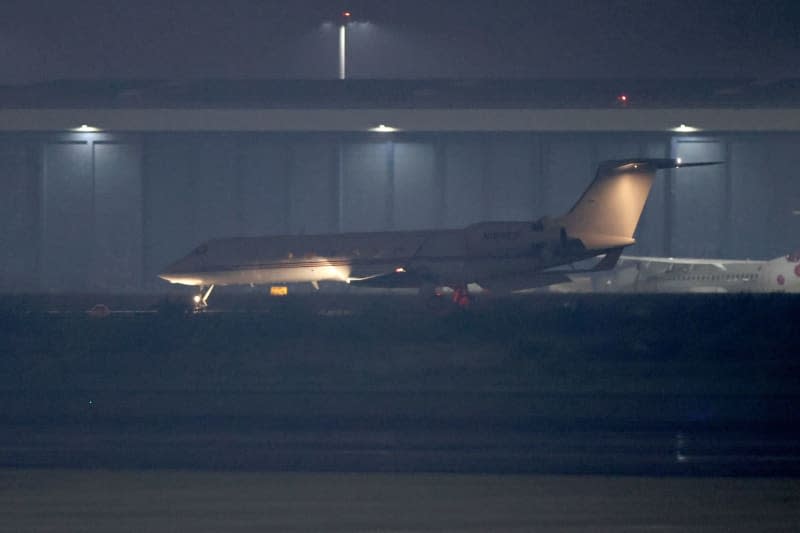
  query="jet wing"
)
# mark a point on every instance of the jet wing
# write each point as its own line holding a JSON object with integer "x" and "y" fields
{"x": 398, "y": 279}
{"x": 521, "y": 282}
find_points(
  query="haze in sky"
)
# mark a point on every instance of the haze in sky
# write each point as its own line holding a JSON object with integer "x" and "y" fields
{"x": 96, "y": 39}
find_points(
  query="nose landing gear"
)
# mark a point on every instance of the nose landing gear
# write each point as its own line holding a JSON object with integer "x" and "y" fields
{"x": 201, "y": 300}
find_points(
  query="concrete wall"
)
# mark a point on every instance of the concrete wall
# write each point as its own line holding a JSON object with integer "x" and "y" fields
{"x": 105, "y": 211}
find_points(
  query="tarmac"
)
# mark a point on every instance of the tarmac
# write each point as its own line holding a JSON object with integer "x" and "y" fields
{"x": 105, "y": 501}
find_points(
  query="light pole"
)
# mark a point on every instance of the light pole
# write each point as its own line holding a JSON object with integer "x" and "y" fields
{"x": 343, "y": 45}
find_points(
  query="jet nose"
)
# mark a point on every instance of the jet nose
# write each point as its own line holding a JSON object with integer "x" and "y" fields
{"x": 179, "y": 272}
{"x": 170, "y": 273}
{"x": 187, "y": 270}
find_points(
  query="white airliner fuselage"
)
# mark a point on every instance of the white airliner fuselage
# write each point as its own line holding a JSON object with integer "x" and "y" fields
{"x": 667, "y": 274}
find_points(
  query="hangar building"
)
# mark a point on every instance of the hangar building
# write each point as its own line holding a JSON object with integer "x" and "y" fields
{"x": 104, "y": 183}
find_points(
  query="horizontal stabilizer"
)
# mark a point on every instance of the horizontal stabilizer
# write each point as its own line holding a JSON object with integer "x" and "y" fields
{"x": 645, "y": 165}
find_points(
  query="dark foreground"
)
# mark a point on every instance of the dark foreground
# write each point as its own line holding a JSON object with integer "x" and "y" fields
{"x": 687, "y": 385}
{"x": 165, "y": 501}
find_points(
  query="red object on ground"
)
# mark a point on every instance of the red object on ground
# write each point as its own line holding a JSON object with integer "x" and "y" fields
{"x": 461, "y": 297}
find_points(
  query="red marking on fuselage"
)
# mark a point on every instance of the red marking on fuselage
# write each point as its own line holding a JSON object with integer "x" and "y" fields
{"x": 781, "y": 280}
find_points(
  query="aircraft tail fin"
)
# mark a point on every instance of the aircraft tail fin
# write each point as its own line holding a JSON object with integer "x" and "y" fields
{"x": 607, "y": 213}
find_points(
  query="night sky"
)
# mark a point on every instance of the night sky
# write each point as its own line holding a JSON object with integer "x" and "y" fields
{"x": 44, "y": 40}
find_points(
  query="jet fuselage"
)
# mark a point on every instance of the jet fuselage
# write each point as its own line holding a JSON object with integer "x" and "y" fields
{"x": 496, "y": 255}
{"x": 442, "y": 257}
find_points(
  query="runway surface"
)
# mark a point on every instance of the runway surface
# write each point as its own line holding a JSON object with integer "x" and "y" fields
{"x": 681, "y": 385}
{"x": 165, "y": 501}
{"x": 341, "y": 436}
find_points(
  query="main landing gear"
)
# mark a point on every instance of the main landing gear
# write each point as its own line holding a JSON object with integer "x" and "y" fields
{"x": 461, "y": 297}
{"x": 437, "y": 300}
{"x": 200, "y": 300}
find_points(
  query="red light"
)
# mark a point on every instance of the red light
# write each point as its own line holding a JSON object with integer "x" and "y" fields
{"x": 623, "y": 98}
{"x": 346, "y": 14}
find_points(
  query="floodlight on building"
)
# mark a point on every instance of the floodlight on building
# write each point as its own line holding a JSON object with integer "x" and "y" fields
{"x": 85, "y": 128}
{"x": 383, "y": 128}
{"x": 683, "y": 128}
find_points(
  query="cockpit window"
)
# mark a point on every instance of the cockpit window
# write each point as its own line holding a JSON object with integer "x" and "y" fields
{"x": 793, "y": 257}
